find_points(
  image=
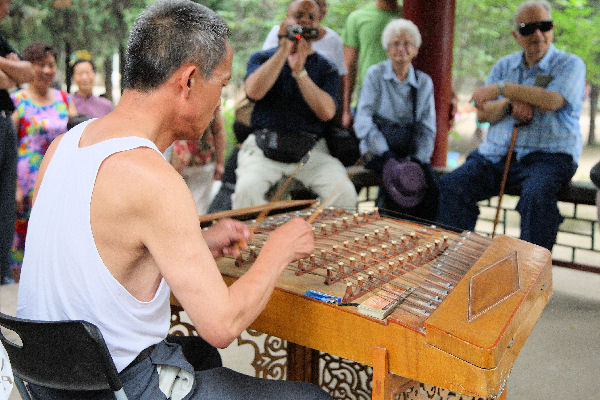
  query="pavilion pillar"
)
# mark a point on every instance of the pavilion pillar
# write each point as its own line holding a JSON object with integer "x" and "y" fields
{"x": 435, "y": 20}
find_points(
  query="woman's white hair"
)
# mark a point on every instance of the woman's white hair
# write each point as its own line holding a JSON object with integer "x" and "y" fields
{"x": 397, "y": 26}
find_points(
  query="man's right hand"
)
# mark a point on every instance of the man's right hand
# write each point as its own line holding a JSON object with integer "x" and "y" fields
{"x": 294, "y": 240}
{"x": 522, "y": 111}
{"x": 283, "y": 28}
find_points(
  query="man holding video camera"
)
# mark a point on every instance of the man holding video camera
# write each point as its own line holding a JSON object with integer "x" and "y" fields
{"x": 295, "y": 91}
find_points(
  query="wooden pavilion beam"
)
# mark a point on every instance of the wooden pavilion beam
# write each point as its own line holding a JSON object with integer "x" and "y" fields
{"x": 435, "y": 19}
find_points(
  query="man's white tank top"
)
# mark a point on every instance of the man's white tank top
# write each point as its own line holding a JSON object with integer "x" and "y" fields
{"x": 63, "y": 276}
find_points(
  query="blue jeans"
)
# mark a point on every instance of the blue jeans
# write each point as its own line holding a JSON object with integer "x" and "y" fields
{"x": 537, "y": 176}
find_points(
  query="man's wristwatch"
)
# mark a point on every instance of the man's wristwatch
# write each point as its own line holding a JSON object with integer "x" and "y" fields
{"x": 299, "y": 74}
{"x": 501, "y": 85}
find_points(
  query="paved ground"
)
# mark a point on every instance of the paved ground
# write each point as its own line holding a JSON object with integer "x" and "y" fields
{"x": 560, "y": 360}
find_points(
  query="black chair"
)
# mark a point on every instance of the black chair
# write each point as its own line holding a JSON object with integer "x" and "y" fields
{"x": 64, "y": 355}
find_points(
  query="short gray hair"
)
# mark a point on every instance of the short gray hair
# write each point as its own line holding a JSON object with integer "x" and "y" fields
{"x": 531, "y": 4}
{"x": 169, "y": 34}
{"x": 397, "y": 26}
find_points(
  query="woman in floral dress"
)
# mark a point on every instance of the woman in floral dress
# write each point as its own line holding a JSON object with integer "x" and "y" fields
{"x": 40, "y": 115}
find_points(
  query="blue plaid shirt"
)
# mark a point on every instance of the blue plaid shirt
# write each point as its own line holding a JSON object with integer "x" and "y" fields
{"x": 383, "y": 94}
{"x": 549, "y": 131}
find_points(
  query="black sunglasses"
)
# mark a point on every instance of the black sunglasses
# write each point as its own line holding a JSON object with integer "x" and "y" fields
{"x": 528, "y": 29}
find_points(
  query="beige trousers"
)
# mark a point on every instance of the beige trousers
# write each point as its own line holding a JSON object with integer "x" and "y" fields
{"x": 323, "y": 174}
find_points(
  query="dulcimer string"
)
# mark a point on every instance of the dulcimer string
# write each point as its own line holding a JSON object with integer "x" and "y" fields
{"x": 405, "y": 276}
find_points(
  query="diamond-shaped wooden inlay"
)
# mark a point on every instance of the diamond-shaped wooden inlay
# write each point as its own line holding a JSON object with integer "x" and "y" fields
{"x": 493, "y": 285}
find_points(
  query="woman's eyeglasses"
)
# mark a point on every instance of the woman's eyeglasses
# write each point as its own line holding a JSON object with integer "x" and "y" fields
{"x": 531, "y": 27}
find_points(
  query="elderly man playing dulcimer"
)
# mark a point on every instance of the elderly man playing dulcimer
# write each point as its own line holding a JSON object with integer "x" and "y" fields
{"x": 114, "y": 228}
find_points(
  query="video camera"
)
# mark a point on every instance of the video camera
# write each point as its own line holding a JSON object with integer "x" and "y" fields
{"x": 295, "y": 32}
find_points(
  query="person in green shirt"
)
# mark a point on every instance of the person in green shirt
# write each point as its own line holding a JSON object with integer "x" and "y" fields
{"x": 362, "y": 46}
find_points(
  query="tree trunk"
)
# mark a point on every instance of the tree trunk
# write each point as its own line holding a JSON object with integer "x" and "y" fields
{"x": 594, "y": 92}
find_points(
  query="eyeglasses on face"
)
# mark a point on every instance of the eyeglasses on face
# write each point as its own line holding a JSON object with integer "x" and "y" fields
{"x": 396, "y": 44}
{"x": 531, "y": 27}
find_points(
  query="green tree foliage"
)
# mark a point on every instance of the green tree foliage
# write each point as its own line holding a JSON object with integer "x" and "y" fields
{"x": 482, "y": 29}
{"x": 483, "y": 35}
{"x": 101, "y": 26}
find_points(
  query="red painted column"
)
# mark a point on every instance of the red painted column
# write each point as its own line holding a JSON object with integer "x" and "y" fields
{"x": 435, "y": 19}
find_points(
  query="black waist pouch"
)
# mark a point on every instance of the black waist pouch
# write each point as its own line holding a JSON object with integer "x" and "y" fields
{"x": 287, "y": 147}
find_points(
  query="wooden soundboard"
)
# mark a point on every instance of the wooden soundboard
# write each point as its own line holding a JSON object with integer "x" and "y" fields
{"x": 464, "y": 304}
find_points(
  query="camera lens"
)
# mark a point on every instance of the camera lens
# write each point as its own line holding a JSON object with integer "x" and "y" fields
{"x": 294, "y": 32}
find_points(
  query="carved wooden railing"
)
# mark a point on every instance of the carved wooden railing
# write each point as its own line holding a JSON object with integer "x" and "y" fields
{"x": 275, "y": 358}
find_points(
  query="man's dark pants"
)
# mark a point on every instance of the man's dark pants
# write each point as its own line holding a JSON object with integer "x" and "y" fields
{"x": 538, "y": 177}
{"x": 8, "y": 179}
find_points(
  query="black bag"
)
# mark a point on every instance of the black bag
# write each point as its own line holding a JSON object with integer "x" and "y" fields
{"x": 400, "y": 137}
{"x": 287, "y": 147}
{"x": 343, "y": 145}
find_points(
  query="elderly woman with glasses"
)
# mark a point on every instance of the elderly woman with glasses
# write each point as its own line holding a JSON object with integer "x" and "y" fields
{"x": 395, "y": 117}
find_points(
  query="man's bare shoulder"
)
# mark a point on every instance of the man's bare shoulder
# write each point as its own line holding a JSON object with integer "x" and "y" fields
{"x": 140, "y": 181}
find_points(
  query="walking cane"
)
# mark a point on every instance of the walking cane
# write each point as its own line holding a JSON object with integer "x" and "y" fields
{"x": 506, "y": 168}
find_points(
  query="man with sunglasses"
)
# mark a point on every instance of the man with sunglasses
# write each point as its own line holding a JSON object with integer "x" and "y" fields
{"x": 538, "y": 90}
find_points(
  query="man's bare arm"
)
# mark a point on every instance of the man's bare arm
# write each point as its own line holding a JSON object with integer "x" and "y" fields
{"x": 17, "y": 70}
{"x": 5, "y": 81}
{"x": 535, "y": 96}
{"x": 493, "y": 111}
{"x": 351, "y": 59}
{"x": 171, "y": 233}
{"x": 319, "y": 101}
{"x": 263, "y": 78}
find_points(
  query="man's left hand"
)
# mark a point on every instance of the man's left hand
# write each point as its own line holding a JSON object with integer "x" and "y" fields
{"x": 223, "y": 238}
{"x": 483, "y": 94}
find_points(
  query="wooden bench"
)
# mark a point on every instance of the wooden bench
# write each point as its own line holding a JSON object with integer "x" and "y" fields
{"x": 576, "y": 192}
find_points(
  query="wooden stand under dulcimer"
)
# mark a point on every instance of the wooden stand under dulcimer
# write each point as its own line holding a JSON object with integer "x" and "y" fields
{"x": 411, "y": 300}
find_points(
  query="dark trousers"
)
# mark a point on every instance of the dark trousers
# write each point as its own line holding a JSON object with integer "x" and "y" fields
{"x": 537, "y": 176}
{"x": 8, "y": 184}
{"x": 222, "y": 200}
{"x": 140, "y": 381}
